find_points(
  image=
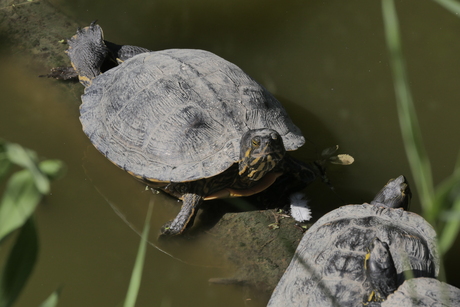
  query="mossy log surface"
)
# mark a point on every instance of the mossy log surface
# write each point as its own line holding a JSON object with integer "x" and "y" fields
{"x": 36, "y": 28}
{"x": 259, "y": 243}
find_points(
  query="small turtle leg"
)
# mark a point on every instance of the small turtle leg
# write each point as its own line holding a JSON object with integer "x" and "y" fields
{"x": 121, "y": 53}
{"x": 87, "y": 51}
{"x": 185, "y": 218}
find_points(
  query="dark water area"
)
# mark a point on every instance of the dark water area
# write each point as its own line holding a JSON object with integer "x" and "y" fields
{"x": 326, "y": 61}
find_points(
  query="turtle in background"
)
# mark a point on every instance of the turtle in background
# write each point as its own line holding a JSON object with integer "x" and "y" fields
{"x": 359, "y": 254}
{"x": 185, "y": 121}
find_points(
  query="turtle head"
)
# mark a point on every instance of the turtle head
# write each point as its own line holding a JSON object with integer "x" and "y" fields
{"x": 261, "y": 150}
{"x": 395, "y": 194}
{"x": 87, "y": 51}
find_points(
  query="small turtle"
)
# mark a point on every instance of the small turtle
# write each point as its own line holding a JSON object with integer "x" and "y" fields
{"x": 424, "y": 292}
{"x": 359, "y": 254}
{"x": 185, "y": 121}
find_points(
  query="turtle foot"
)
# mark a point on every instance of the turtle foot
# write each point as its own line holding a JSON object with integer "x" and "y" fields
{"x": 170, "y": 229}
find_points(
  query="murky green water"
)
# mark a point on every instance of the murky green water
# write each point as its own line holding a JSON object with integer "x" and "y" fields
{"x": 325, "y": 60}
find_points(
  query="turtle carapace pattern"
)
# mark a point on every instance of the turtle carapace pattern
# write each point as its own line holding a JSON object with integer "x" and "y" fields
{"x": 185, "y": 121}
{"x": 357, "y": 255}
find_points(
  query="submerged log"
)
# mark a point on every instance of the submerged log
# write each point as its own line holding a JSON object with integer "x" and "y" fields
{"x": 260, "y": 244}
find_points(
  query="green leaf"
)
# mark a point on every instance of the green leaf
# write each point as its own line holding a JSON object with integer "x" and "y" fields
{"x": 52, "y": 300}
{"x": 53, "y": 169}
{"x": 19, "y": 265}
{"x": 19, "y": 201}
{"x": 136, "y": 276}
{"x": 28, "y": 159}
{"x": 410, "y": 129}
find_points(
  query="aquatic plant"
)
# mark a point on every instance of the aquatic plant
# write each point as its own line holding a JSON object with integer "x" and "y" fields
{"x": 440, "y": 204}
{"x": 23, "y": 193}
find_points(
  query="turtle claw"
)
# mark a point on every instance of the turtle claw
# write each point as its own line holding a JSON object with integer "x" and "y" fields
{"x": 168, "y": 229}
{"x": 61, "y": 73}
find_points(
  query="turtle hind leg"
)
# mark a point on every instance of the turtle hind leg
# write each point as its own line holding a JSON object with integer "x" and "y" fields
{"x": 121, "y": 53}
{"x": 87, "y": 51}
{"x": 185, "y": 218}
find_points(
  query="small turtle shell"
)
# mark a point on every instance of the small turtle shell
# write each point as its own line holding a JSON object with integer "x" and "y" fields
{"x": 328, "y": 265}
{"x": 424, "y": 292}
{"x": 178, "y": 115}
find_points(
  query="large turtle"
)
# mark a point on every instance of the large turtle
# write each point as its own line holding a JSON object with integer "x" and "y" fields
{"x": 185, "y": 121}
{"x": 359, "y": 254}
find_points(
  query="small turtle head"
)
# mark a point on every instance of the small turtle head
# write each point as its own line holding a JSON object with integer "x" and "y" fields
{"x": 395, "y": 194}
{"x": 87, "y": 51}
{"x": 261, "y": 150}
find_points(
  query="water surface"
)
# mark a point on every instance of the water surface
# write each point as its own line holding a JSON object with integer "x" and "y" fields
{"x": 327, "y": 63}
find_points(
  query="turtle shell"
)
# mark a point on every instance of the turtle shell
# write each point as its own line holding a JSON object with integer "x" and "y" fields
{"x": 424, "y": 292}
{"x": 179, "y": 114}
{"x": 328, "y": 265}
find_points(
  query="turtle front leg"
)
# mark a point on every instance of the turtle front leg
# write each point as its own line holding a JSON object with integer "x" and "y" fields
{"x": 185, "y": 218}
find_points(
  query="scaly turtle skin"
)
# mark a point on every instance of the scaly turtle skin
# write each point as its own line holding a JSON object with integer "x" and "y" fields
{"x": 357, "y": 254}
{"x": 185, "y": 121}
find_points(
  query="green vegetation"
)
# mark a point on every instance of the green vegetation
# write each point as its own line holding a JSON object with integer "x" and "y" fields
{"x": 136, "y": 275}
{"x": 441, "y": 204}
{"x": 23, "y": 192}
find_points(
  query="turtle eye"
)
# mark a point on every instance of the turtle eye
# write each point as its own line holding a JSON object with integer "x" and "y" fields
{"x": 256, "y": 142}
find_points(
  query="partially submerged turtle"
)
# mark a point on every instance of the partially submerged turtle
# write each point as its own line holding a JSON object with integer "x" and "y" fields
{"x": 359, "y": 254}
{"x": 185, "y": 121}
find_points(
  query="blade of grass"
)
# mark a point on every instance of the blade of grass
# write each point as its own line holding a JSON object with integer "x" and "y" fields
{"x": 450, "y": 5}
{"x": 450, "y": 230}
{"x": 446, "y": 192}
{"x": 415, "y": 150}
{"x": 52, "y": 300}
{"x": 136, "y": 276}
